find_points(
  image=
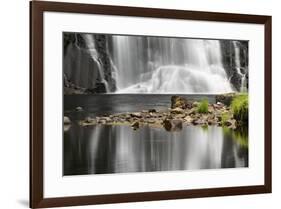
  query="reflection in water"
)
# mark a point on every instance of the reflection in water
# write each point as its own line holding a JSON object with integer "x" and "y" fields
{"x": 118, "y": 149}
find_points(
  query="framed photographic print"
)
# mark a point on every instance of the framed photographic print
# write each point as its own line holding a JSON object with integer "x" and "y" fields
{"x": 139, "y": 104}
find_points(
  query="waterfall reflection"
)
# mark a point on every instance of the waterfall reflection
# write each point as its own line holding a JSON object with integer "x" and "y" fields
{"x": 119, "y": 149}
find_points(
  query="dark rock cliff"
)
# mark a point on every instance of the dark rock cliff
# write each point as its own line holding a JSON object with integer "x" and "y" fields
{"x": 228, "y": 56}
{"x": 87, "y": 70}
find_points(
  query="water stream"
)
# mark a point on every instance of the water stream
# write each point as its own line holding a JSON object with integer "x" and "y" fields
{"x": 243, "y": 87}
{"x": 169, "y": 65}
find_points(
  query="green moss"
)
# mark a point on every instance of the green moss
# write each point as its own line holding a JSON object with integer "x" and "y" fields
{"x": 239, "y": 107}
{"x": 203, "y": 106}
{"x": 224, "y": 117}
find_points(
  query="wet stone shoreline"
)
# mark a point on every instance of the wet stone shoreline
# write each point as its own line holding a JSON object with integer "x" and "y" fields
{"x": 181, "y": 113}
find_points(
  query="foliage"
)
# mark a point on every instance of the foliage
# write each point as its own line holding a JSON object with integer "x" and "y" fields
{"x": 224, "y": 117}
{"x": 203, "y": 106}
{"x": 239, "y": 107}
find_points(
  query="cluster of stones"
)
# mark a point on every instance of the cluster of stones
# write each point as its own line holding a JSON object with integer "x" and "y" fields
{"x": 182, "y": 113}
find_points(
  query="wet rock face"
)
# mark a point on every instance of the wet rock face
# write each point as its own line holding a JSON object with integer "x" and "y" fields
{"x": 229, "y": 64}
{"x": 82, "y": 71}
{"x": 104, "y": 56}
{"x": 99, "y": 88}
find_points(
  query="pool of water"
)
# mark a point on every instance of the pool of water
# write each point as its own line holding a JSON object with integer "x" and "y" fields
{"x": 105, "y": 149}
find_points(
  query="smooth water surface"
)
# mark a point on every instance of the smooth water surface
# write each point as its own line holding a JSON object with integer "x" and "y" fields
{"x": 104, "y": 149}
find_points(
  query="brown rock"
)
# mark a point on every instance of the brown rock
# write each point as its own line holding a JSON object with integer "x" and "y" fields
{"x": 172, "y": 124}
{"x": 188, "y": 119}
{"x": 177, "y": 101}
{"x": 199, "y": 122}
{"x": 136, "y": 115}
{"x": 135, "y": 125}
{"x": 89, "y": 120}
{"x": 177, "y": 110}
{"x": 195, "y": 104}
{"x": 79, "y": 109}
{"x": 66, "y": 120}
{"x": 226, "y": 99}
{"x": 180, "y": 116}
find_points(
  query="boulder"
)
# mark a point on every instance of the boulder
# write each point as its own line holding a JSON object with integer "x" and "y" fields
{"x": 172, "y": 124}
{"x": 107, "y": 119}
{"x": 226, "y": 99}
{"x": 179, "y": 102}
{"x": 210, "y": 109}
{"x": 66, "y": 127}
{"x": 199, "y": 121}
{"x": 89, "y": 120}
{"x": 79, "y": 109}
{"x": 66, "y": 120}
{"x": 195, "y": 104}
{"x": 136, "y": 115}
{"x": 135, "y": 125}
{"x": 188, "y": 119}
{"x": 177, "y": 110}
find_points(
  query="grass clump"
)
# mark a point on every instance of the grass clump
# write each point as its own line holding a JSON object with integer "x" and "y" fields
{"x": 224, "y": 117}
{"x": 239, "y": 107}
{"x": 203, "y": 106}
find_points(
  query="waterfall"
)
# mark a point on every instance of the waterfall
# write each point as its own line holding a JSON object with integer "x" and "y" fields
{"x": 90, "y": 43}
{"x": 243, "y": 87}
{"x": 168, "y": 65}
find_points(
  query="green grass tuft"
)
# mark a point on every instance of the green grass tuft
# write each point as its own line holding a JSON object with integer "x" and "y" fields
{"x": 203, "y": 106}
{"x": 239, "y": 107}
{"x": 224, "y": 117}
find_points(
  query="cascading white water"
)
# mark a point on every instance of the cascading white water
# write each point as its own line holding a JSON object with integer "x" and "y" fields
{"x": 168, "y": 65}
{"x": 90, "y": 43}
{"x": 243, "y": 87}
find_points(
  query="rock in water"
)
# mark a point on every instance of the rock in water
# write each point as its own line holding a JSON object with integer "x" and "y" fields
{"x": 135, "y": 125}
{"x": 180, "y": 102}
{"x": 177, "y": 110}
{"x": 195, "y": 104}
{"x": 226, "y": 99}
{"x": 136, "y": 115}
{"x": 188, "y": 119}
{"x": 66, "y": 127}
{"x": 66, "y": 120}
{"x": 89, "y": 120}
{"x": 172, "y": 124}
{"x": 199, "y": 122}
{"x": 78, "y": 109}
